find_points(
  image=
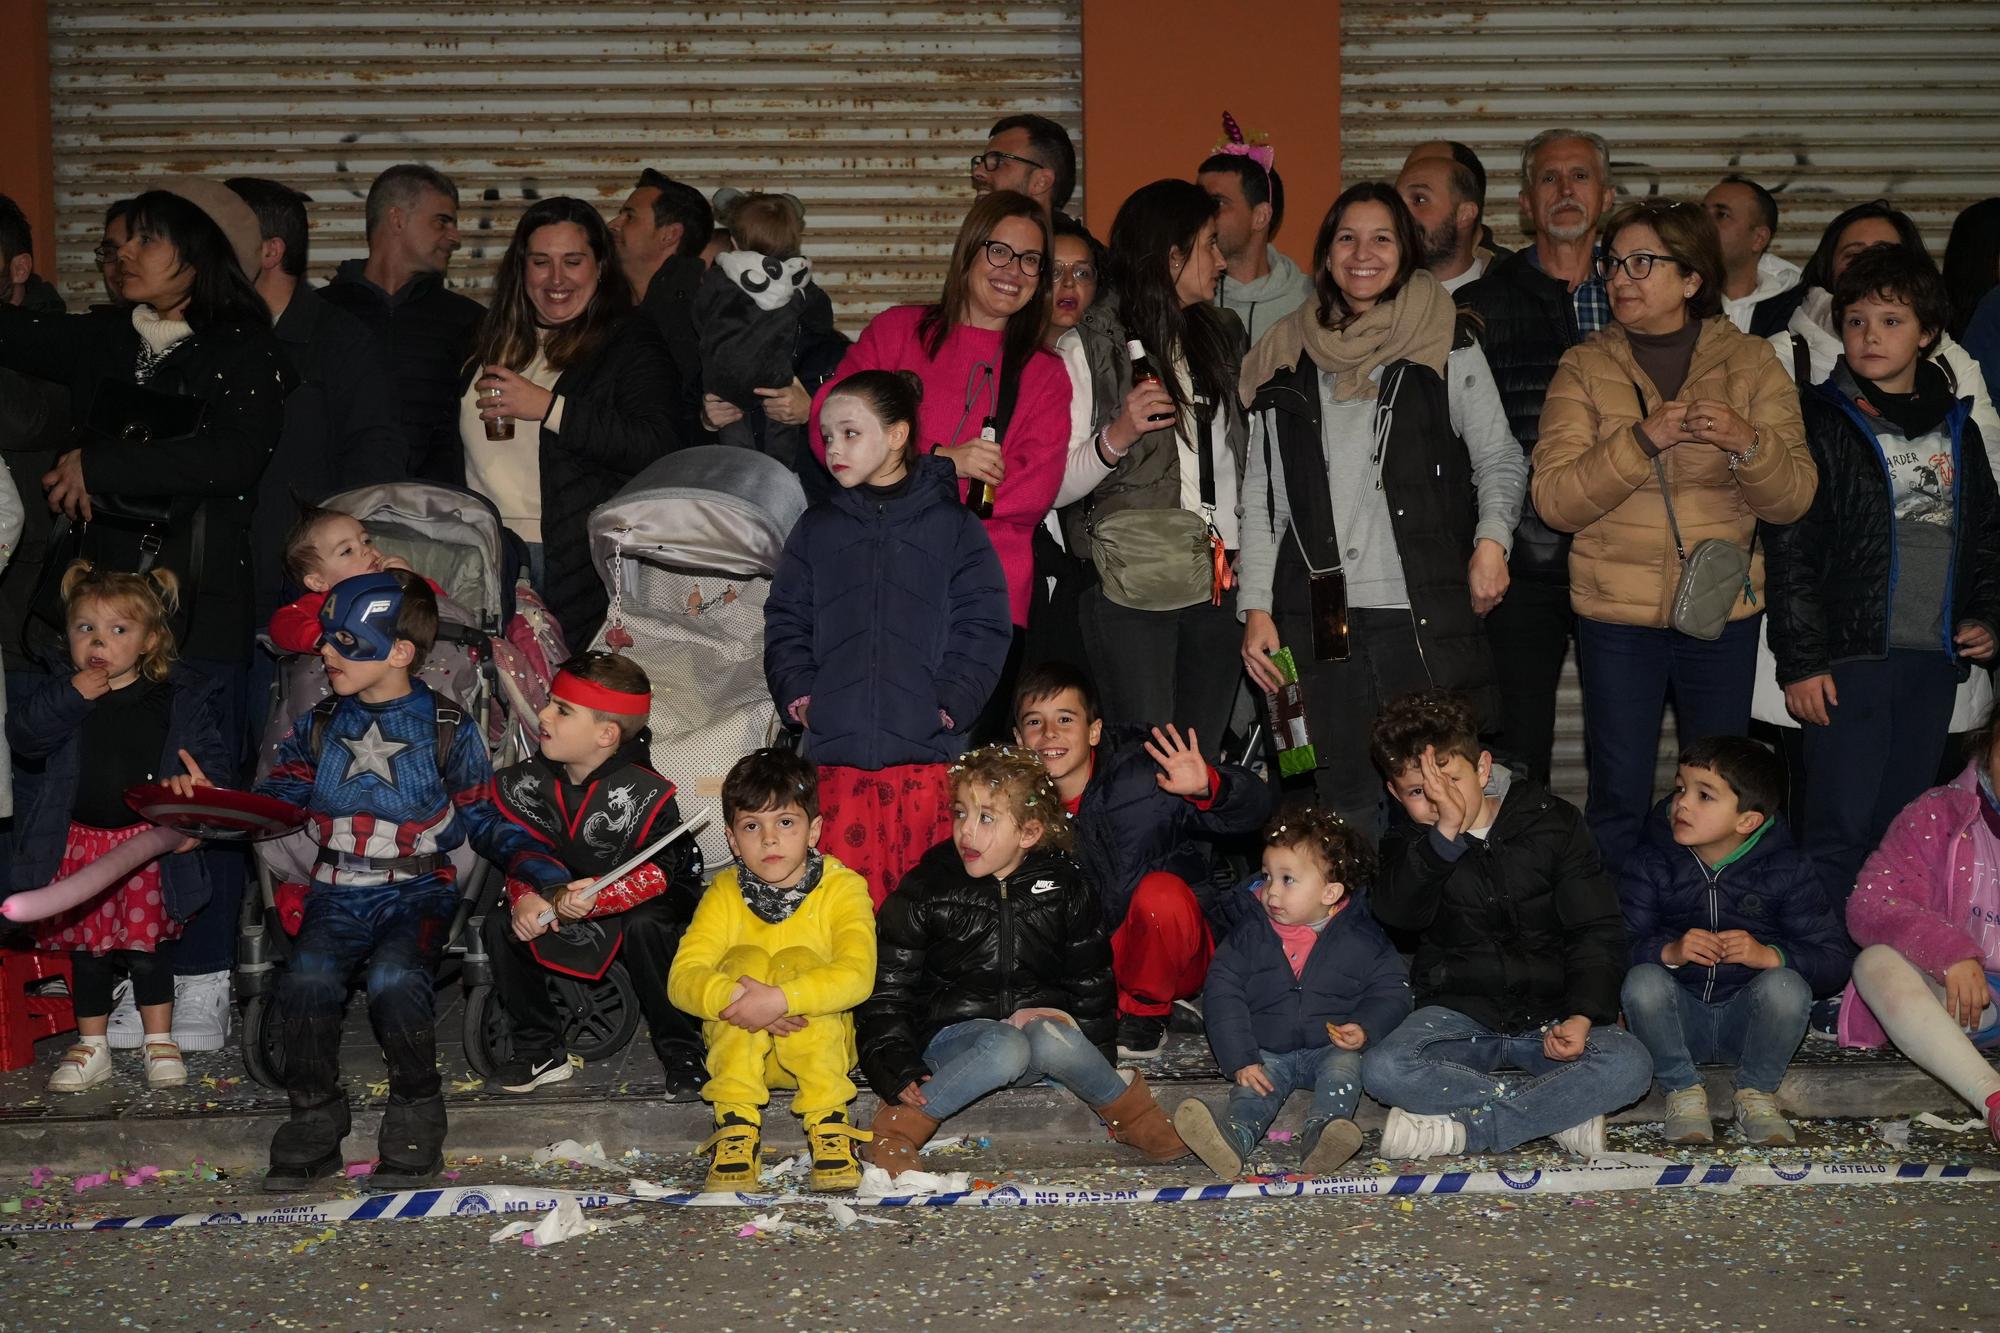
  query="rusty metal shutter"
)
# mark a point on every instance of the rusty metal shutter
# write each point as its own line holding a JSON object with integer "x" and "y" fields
{"x": 1825, "y": 102}
{"x": 867, "y": 111}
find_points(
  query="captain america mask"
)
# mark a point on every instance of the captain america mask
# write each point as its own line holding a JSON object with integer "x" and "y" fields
{"x": 359, "y": 617}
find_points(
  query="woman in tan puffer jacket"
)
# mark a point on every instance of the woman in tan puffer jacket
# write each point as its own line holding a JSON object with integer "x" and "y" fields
{"x": 1670, "y": 388}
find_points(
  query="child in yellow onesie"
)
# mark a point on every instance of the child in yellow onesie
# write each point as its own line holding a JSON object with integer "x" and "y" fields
{"x": 780, "y": 951}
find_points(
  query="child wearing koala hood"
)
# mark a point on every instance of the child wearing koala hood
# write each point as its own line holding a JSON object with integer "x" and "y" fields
{"x": 767, "y": 335}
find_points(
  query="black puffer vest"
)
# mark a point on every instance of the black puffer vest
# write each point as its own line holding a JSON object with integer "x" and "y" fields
{"x": 1427, "y": 482}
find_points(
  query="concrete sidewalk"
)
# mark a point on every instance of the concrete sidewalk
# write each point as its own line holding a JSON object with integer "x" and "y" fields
{"x": 226, "y": 1119}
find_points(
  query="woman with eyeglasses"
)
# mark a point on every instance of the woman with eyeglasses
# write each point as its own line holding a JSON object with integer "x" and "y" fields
{"x": 1084, "y": 332}
{"x": 117, "y": 230}
{"x": 1668, "y": 429}
{"x": 978, "y": 351}
{"x": 1380, "y": 503}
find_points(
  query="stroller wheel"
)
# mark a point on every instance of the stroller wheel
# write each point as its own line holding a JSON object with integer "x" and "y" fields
{"x": 603, "y": 1014}
{"x": 262, "y": 1038}
{"x": 489, "y": 1042}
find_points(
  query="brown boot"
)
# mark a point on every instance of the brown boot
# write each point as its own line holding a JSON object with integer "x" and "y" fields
{"x": 900, "y": 1131}
{"x": 1136, "y": 1120}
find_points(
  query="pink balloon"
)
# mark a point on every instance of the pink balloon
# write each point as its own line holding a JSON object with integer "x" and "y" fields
{"x": 114, "y": 867}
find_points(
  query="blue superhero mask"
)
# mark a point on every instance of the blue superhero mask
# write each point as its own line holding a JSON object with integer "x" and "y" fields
{"x": 359, "y": 616}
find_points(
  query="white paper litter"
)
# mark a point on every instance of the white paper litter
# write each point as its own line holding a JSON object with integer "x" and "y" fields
{"x": 566, "y": 1221}
{"x": 1929, "y": 1121}
{"x": 1895, "y": 1133}
{"x": 1629, "y": 1159}
{"x": 844, "y": 1217}
{"x": 569, "y": 1150}
{"x": 782, "y": 1171}
{"x": 772, "y": 1223}
{"x": 876, "y": 1184}
{"x": 946, "y": 1142}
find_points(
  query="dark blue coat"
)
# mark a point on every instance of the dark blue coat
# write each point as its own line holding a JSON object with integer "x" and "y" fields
{"x": 1126, "y": 827}
{"x": 46, "y": 730}
{"x": 1773, "y": 891}
{"x": 1253, "y": 1003}
{"x": 887, "y": 609}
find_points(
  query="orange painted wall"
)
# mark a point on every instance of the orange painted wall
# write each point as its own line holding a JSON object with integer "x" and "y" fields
{"x": 1158, "y": 74}
{"x": 27, "y": 162}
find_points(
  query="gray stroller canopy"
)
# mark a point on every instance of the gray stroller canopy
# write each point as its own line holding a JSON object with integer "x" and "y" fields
{"x": 713, "y": 509}
{"x": 447, "y": 534}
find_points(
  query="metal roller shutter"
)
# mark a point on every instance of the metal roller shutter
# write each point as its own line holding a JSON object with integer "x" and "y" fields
{"x": 867, "y": 111}
{"x": 1825, "y": 102}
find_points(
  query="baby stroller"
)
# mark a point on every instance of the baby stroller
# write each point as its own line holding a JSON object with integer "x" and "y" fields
{"x": 495, "y": 655}
{"x": 687, "y": 550}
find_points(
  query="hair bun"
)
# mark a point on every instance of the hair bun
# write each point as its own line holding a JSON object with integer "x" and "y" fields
{"x": 915, "y": 381}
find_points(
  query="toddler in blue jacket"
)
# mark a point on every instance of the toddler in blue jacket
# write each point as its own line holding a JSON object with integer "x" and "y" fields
{"x": 1294, "y": 995}
{"x": 1732, "y": 936}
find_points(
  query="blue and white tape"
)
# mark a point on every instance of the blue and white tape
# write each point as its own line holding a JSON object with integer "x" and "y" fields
{"x": 488, "y": 1200}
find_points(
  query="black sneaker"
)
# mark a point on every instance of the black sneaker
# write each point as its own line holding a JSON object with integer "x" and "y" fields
{"x": 525, "y": 1073}
{"x": 1186, "y": 1016}
{"x": 686, "y": 1072}
{"x": 1141, "y": 1036}
{"x": 1823, "y": 1024}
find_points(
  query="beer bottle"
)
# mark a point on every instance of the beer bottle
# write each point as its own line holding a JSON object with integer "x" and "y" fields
{"x": 979, "y": 495}
{"x": 1143, "y": 370}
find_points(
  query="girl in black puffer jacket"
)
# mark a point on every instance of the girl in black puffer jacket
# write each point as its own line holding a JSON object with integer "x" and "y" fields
{"x": 993, "y": 966}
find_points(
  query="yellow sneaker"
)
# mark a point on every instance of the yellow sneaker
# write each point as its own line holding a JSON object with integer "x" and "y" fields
{"x": 832, "y": 1140}
{"x": 736, "y": 1152}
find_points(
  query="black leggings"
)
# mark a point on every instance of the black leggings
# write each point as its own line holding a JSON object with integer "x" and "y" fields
{"x": 94, "y": 974}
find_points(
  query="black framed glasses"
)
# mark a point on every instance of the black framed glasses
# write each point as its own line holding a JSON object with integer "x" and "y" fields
{"x": 991, "y": 159}
{"x": 1000, "y": 254}
{"x": 1638, "y": 266}
{"x": 105, "y": 253}
{"x": 1081, "y": 274}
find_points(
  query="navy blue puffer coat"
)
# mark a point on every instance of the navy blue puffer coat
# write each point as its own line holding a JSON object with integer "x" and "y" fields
{"x": 889, "y": 614}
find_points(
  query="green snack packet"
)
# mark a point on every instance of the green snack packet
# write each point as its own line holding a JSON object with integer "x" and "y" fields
{"x": 1287, "y": 706}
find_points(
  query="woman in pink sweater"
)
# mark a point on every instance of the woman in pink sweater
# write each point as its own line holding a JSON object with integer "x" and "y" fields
{"x": 985, "y": 333}
{"x": 1926, "y": 911}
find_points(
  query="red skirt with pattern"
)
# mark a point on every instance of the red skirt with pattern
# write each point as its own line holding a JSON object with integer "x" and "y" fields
{"x": 880, "y": 822}
{"x": 131, "y": 916}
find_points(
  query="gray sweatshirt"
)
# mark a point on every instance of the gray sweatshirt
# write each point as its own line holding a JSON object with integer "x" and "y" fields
{"x": 1360, "y": 509}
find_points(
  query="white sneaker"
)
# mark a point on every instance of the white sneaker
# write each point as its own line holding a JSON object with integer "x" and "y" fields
{"x": 1585, "y": 1140}
{"x": 201, "y": 1011}
{"x": 83, "y": 1066}
{"x": 164, "y": 1068}
{"x": 125, "y": 1033}
{"x": 1406, "y": 1136}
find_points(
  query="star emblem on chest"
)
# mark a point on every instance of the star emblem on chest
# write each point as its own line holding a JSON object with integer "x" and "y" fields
{"x": 372, "y": 752}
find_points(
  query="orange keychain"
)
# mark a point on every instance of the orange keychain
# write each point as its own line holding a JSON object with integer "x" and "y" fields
{"x": 1224, "y": 578}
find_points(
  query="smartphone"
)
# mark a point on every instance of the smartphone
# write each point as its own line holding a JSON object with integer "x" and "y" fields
{"x": 1329, "y": 615}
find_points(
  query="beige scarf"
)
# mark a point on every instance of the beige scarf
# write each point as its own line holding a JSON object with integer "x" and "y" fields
{"x": 1416, "y": 326}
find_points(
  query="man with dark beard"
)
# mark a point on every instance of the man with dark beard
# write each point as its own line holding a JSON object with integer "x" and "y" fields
{"x": 1443, "y": 198}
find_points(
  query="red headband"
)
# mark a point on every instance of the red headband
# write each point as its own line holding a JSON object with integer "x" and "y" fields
{"x": 587, "y": 694}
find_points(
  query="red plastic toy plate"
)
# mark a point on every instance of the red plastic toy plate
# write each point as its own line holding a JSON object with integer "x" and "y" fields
{"x": 216, "y": 814}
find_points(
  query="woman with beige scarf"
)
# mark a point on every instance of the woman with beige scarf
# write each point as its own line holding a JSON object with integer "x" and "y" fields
{"x": 1380, "y": 498}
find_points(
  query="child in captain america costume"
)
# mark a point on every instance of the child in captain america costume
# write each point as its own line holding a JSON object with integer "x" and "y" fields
{"x": 386, "y": 809}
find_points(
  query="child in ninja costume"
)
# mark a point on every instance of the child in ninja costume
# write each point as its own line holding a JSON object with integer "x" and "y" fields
{"x": 392, "y": 778}
{"x": 592, "y": 798}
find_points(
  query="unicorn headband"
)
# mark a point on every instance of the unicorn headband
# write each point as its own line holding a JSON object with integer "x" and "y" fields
{"x": 1234, "y": 144}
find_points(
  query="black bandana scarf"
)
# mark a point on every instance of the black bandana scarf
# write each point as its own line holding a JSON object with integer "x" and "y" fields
{"x": 774, "y": 904}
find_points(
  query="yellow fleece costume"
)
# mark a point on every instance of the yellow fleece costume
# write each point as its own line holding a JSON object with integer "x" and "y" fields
{"x": 822, "y": 956}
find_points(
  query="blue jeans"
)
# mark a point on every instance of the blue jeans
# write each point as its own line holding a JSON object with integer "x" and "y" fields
{"x": 1757, "y": 1029}
{"x": 1628, "y": 671}
{"x": 399, "y": 930}
{"x": 1879, "y": 752}
{"x": 1332, "y": 1075}
{"x": 1440, "y": 1062}
{"x": 970, "y": 1059}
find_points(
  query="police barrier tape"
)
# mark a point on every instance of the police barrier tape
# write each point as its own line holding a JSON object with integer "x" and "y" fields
{"x": 486, "y": 1200}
